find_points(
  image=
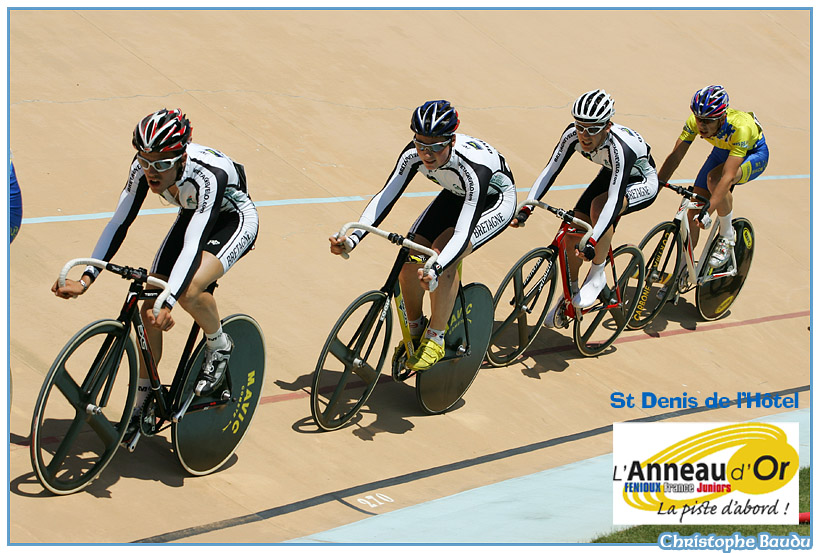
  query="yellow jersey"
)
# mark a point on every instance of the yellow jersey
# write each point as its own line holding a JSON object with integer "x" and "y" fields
{"x": 739, "y": 133}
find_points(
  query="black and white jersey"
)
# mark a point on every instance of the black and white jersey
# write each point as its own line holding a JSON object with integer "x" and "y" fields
{"x": 624, "y": 153}
{"x": 210, "y": 183}
{"x": 469, "y": 174}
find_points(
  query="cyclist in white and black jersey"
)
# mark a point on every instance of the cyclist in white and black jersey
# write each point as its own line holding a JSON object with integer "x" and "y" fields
{"x": 627, "y": 182}
{"x": 217, "y": 223}
{"x": 477, "y": 203}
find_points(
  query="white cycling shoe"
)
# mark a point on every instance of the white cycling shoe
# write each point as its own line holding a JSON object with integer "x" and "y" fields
{"x": 589, "y": 292}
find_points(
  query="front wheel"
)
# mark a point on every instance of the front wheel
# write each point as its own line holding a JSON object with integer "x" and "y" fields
{"x": 215, "y": 424}
{"x": 84, "y": 407}
{"x": 521, "y": 304}
{"x": 351, "y": 360}
{"x": 661, "y": 249}
{"x": 598, "y": 326}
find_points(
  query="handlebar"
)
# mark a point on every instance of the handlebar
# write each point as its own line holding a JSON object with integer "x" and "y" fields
{"x": 393, "y": 237}
{"x": 125, "y": 272}
{"x": 566, "y": 216}
{"x": 685, "y": 192}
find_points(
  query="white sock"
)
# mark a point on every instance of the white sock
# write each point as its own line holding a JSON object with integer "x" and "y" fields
{"x": 415, "y": 326}
{"x": 217, "y": 340}
{"x": 595, "y": 269}
{"x": 436, "y": 335}
{"x": 726, "y": 226}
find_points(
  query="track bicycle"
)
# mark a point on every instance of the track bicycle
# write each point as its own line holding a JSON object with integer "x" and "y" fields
{"x": 670, "y": 264}
{"x": 526, "y": 293}
{"x": 85, "y": 404}
{"x": 351, "y": 360}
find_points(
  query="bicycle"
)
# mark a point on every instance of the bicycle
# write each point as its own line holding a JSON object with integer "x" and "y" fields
{"x": 671, "y": 262}
{"x": 352, "y": 358}
{"x": 85, "y": 404}
{"x": 530, "y": 284}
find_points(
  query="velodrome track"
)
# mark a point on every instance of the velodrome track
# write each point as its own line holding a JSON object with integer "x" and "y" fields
{"x": 316, "y": 105}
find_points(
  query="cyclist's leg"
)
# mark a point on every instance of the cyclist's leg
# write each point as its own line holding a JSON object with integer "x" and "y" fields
{"x": 712, "y": 168}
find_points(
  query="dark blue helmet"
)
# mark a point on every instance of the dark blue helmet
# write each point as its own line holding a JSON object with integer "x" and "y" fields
{"x": 434, "y": 118}
{"x": 710, "y": 102}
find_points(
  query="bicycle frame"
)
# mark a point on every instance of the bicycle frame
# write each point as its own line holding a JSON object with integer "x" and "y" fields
{"x": 692, "y": 201}
{"x": 167, "y": 400}
{"x": 392, "y": 289}
{"x": 558, "y": 246}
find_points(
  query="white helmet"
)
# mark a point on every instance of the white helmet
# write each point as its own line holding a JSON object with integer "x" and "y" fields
{"x": 595, "y": 107}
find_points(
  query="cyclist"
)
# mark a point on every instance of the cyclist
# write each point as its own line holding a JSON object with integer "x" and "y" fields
{"x": 15, "y": 204}
{"x": 627, "y": 182}
{"x": 216, "y": 225}
{"x": 739, "y": 154}
{"x": 477, "y": 203}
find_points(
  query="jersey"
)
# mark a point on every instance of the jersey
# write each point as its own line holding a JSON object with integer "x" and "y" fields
{"x": 739, "y": 133}
{"x": 15, "y": 204}
{"x": 623, "y": 152}
{"x": 470, "y": 173}
{"x": 210, "y": 183}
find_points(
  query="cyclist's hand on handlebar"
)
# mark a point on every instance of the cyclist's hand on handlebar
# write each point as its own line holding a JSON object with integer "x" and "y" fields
{"x": 72, "y": 289}
{"x": 164, "y": 321}
{"x": 588, "y": 251}
{"x": 343, "y": 244}
{"x": 429, "y": 279}
{"x": 703, "y": 220}
{"x": 521, "y": 217}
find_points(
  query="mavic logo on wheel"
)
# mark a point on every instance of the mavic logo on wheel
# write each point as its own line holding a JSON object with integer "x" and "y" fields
{"x": 457, "y": 318}
{"x": 241, "y": 410}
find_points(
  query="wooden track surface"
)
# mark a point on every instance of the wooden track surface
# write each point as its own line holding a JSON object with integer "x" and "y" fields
{"x": 316, "y": 105}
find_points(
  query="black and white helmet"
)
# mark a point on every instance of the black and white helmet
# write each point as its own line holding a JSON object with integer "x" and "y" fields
{"x": 595, "y": 107}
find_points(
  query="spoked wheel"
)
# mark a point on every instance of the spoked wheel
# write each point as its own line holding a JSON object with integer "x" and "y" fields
{"x": 601, "y": 324}
{"x": 351, "y": 360}
{"x": 714, "y": 297}
{"x": 215, "y": 424}
{"x": 521, "y": 304}
{"x": 84, "y": 407}
{"x": 661, "y": 249}
{"x": 465, "y": 345}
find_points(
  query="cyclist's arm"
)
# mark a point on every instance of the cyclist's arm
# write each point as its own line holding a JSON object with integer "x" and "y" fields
{"x": 560, "y": 155}
{"x": 729, "y": 176}
{"x": 196, "y": 234}
{"x": 673, "y": 160}
{"x": 469, "y": 215}
{"x": 380, "y": 205}
{"x": 131, "y": 199}
{"x": 623, "y": 159}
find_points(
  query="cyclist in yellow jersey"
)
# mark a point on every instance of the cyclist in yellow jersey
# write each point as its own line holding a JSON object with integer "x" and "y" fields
{"x": 739, "y": 154}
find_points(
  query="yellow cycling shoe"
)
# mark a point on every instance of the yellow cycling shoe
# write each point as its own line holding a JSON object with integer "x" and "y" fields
{"x": 400, "y": 349}
{"x": 428, "y": 354}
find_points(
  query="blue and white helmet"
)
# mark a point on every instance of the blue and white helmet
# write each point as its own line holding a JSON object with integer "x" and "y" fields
{"x": 710, "y": 102}
{"x": 434, "y": 118}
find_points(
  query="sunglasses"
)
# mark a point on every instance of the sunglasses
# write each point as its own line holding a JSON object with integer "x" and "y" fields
{"x": 161, "y": 165}
{"x": 706, "y": 120}
{"x": 591, "y": 130}
{"x": 436, "y": 148}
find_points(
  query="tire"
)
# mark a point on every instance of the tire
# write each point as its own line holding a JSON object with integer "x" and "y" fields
{"x": 661, "y": 249}
{"x": 351, "y": 361}
{"x": 714, "y": 297}
{"x": 521, "y": 305}
{"x": 442, "y": 385}
{"x": 207, "y": 436}
{"x": 600, "y": 325}
{"x": 71, "y": 441}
